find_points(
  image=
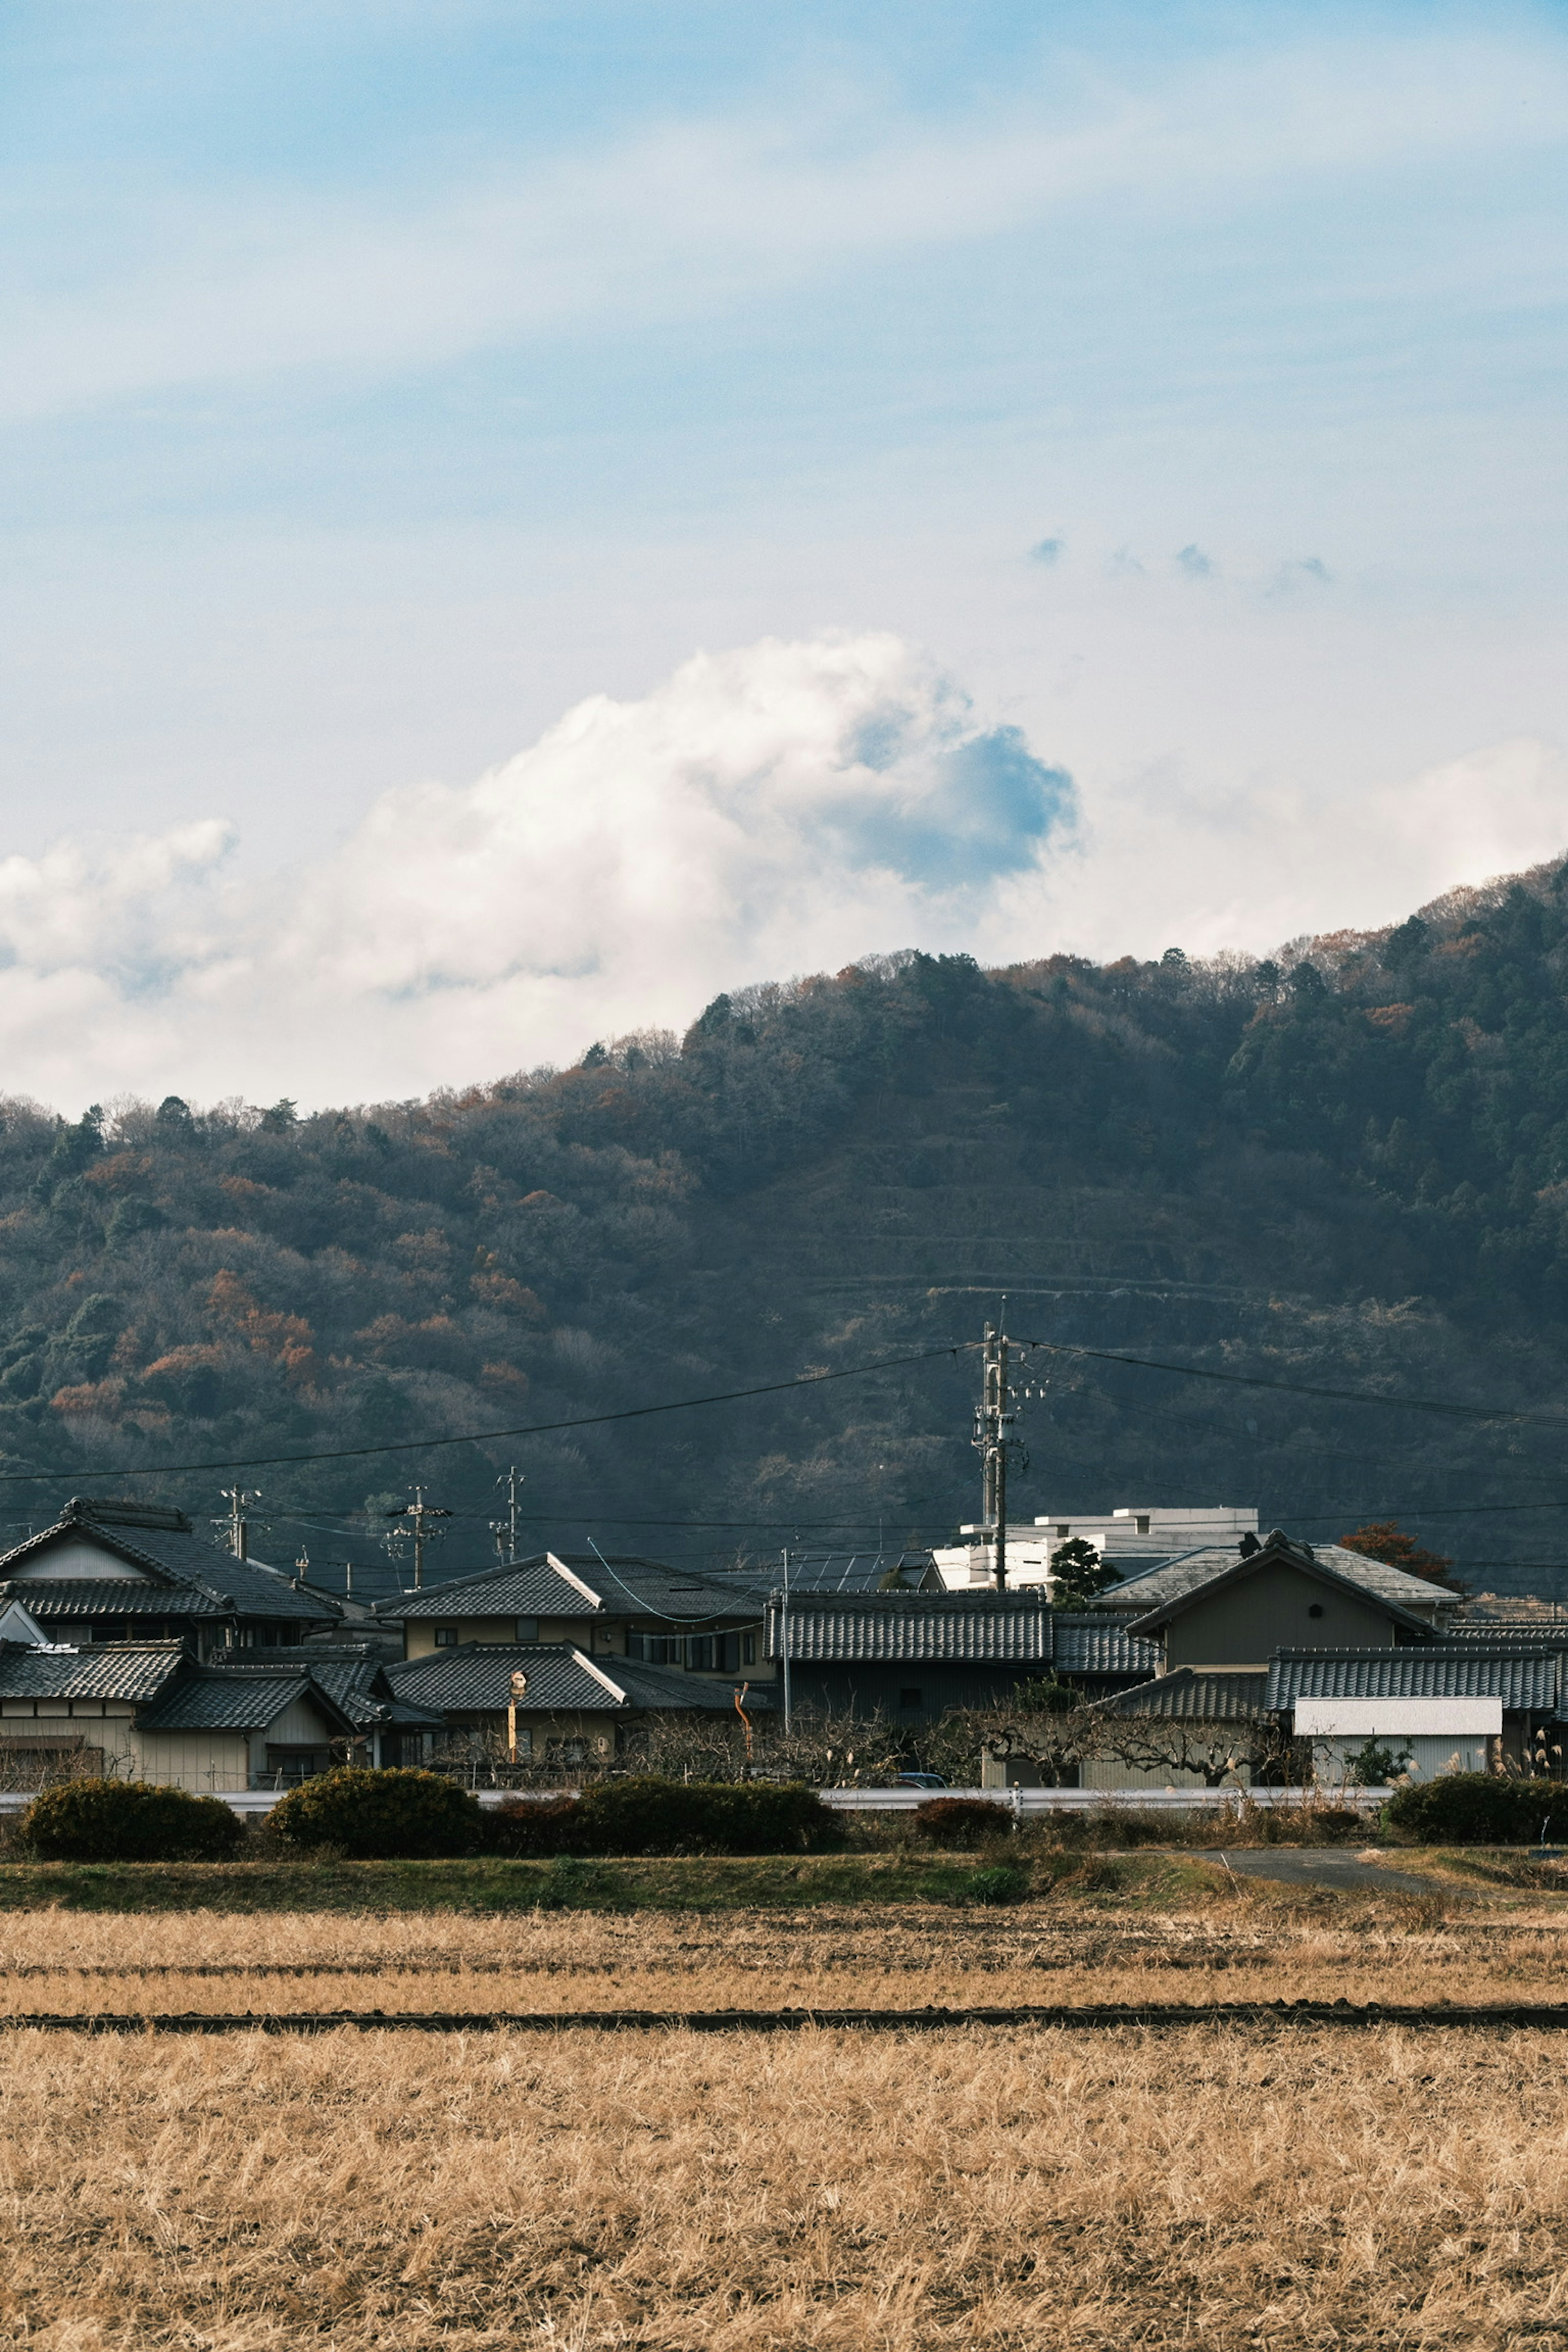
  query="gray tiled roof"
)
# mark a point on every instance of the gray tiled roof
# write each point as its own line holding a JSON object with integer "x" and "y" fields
{"x": 83, "y": 1596}
{"x": 125, "y": 1670}
{"x": 1194, "y": 1695}
{"x": 234, "y": 1698}
{"x": 1178, "y": 1576}
{"x": 664, "y": 1687}
{"x": 1531, "y": 1678}
{"x": 993, "y": 1628}
{"x": 175, "y": 1555}
{"x": 476, "y": 1678}
{"x": 1101, "y": 1644}
{"x": 623, "y": 1586}
{"x": 353, "y": 1677}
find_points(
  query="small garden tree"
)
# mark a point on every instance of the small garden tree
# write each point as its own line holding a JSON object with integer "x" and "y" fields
{"x": 1077, "y": 1574}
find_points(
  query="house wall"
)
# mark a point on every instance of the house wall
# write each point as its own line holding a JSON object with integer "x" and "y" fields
{"x": 207, "y": 1762}
{"x": 1247, "y": 1622}
{"x": 419, "y": 1633}
{"x": 868, "y": 1689}
{"x": 28, "y": 1727}
{"x": 1430, "y": 1754}
{"x": 300, "y": 1725}
{"x": 594, "y": 1638}
{"x": 71, "y": 1557}
{"x": 1105, "y": 1772}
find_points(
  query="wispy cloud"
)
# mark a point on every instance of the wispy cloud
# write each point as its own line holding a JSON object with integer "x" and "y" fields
{"x": 165, "y": 290}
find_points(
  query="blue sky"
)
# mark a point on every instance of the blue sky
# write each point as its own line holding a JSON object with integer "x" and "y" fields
{"x": 384, "y": 380}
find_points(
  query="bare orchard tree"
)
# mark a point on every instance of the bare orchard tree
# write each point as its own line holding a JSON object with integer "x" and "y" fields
{"x": 552, "y": 1759}
{"x": 825, "y": 1749}
{"x": 1048, "y": 1725}
{"x": 1218, "y": 1752}
{"x": 835, "y": 1749}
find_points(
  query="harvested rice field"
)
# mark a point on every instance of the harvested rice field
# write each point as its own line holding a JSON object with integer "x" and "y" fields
{"x": 1243, "y": 1947}
{"x": 868, "y": 2194}
{"x": 1273, "y": 2184}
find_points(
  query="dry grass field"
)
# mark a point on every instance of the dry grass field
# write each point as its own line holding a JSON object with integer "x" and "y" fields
{"x": 1242, "y": 1945}
{"x": 858, "y": 2193}
{"x": 1278, "y": 2185}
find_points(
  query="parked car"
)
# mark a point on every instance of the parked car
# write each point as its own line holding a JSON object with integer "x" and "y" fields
{"x": 920, "y": 1780}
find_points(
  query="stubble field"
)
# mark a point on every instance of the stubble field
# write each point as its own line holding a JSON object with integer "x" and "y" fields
{"x": 1272, "y": 2185}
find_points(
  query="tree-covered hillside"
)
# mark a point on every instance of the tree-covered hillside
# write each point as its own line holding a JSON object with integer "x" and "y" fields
{"x": 1348, "y": 1168}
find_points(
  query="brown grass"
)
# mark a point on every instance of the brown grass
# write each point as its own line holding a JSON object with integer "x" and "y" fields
{"x": 854, "y": 2193}
{"x": 913, "y": 1957}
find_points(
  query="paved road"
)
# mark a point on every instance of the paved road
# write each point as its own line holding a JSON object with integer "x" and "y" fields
{"x": 1327, "y": 1866}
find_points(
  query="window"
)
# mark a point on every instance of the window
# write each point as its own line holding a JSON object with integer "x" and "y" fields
{"x": 288, "y": 1765}
{"x": 528, "y": 1629}
{"x": 654, "y": 1649}
{"x": 910, "y": 1700}
{"x": 1063, "y": 1528}
{"x": 748, "y": 1649}
{"x": 446, "y": 1637}
{"x": 729, "y": 1652}
{"x": 700, "y": 1652}
{"x": 1315, "y": 1610}
{"x": 1142, "y": 1523}
{"x": 566, "y": 1752}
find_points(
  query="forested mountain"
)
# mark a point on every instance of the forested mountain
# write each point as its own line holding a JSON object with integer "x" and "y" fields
{"x": 1348, "y": 1167}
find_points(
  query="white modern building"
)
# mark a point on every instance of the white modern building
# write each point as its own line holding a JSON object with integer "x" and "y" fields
{"x": 1138, "y": 1534}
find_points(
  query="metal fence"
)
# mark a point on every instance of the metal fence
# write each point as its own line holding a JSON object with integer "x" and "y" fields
{"x": 251, "y": 1803}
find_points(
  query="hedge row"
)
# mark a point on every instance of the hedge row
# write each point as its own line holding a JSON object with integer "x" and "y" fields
{"x": 422, "y": 1816}
{"x": 412, "y": 1816}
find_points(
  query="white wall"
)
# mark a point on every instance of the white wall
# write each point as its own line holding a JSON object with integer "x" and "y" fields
{"x": 1430, "y": 1753}
{"x": 73, "y": 1558}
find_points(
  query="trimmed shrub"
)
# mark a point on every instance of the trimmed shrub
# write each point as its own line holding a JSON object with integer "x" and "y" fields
{"x": 650, "y": 1816}
{"x": 1477, "y": 1809}
{"x": 126, "y": 1821}
{"x": 537, "y": 1826}
{"x": 399, "y": 1816}
{"x": 961, "y": 1821}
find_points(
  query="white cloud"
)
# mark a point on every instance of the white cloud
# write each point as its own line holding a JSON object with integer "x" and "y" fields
{"x": 1169, "y": 861}
{"x": 782, "y": 808}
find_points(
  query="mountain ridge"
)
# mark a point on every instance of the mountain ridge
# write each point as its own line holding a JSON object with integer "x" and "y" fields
{"x": 1346, "y": 1164}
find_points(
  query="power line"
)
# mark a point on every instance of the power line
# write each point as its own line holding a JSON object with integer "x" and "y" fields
{"x": 1302, "y": 1388}
{"x": 484, "y": 1436}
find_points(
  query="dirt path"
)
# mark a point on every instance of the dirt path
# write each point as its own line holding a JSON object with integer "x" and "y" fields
{"x": 1327, "y": 1866}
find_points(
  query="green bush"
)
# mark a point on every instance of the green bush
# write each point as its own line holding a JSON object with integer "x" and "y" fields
{"x": 1003, "y": 1884}
{"x": 1477, "y": 1809}
{"x": 534, "y": 1826}
{"x": 126, "y": 1821}
{"x": 650, "y": 1816}
{"x": 403, "y": 1816}
{"x": 962, "y": 1822}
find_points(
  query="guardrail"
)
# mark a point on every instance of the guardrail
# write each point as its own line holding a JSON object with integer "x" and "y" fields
{"x": 253, "y": 1804}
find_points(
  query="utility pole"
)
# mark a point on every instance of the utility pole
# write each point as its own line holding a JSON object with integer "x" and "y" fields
{"x": 237, "y": 1498}
{"x": 992, "y": 1419}
{"x": 514, "y": 1479}
{"x": 417, "y": 1512}
{"x": 783, "y": 1641}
